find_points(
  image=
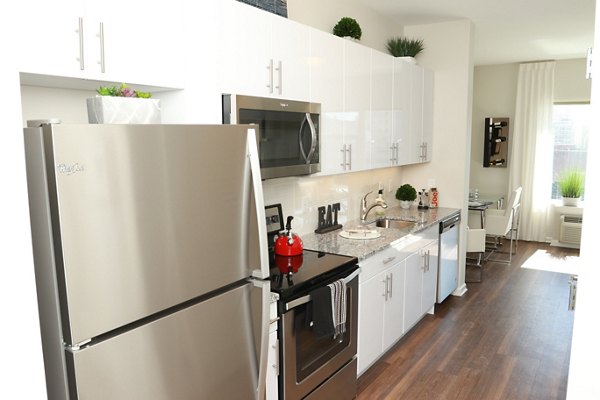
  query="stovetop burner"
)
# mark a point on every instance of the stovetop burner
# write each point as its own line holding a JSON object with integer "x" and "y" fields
{"x": 296, "y": 275}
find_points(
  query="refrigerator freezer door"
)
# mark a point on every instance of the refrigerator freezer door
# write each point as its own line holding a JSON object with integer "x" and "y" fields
{"x": 206, "y": 351}
{"x": 146, "y": 217}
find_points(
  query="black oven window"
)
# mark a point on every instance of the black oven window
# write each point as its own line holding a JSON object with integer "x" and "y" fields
{"x": 312, "y": 353}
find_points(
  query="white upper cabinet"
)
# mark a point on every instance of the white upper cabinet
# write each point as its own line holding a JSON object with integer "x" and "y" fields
{"x": 327, "y": 88}
{"x": 383, "y": 149}
{"x": 266, "y": 55}
{"x": 413, "y": 113}
{"x": 357, "y": 99}
{"x": 50, "y": 39}
{"x": 133, "y": 41}
{"x": 427, "y": 138}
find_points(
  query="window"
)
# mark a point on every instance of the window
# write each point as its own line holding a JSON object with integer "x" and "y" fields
{"x": 571, "y": 125}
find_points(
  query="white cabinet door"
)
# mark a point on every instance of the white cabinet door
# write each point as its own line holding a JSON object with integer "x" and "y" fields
{"x": 430, "y": 275}
{"x": 382, "y": 78}
{"x": 272, "y": 388}
{"x": 370, "y": 320}
{"x": 291, "y": 54}
{"x": 357, "y": 86}
{"x": 401, "y": 113}
{"x": 427, "y": 138}
{"x": 247, "y": 49}
{"x": 327, "y": 88}
{"x": 415, "y": 265}
{"x": 393, "y": 328}
{"x": 141, "y": 42}
{"x": 49, "y": 38}
{"x": 415, "y": 123}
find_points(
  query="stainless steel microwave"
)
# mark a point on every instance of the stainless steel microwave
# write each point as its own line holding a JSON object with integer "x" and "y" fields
{"x": 289, "y": 143}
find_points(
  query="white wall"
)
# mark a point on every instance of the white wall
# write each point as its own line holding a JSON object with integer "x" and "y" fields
{"x": 324, "y": 15}
{"x": 449, "y": 53}
{"x": 585, "y": 350}
{"x": 302, "y": 196}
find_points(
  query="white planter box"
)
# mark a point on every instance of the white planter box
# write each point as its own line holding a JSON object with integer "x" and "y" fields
{"x": 123, "y": 110}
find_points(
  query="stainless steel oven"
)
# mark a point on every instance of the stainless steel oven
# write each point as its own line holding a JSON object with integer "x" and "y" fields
{"x": 289, "y": 143}
{"x": 322, "y": 368}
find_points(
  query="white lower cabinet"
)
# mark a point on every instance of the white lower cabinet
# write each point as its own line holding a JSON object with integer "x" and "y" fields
{"x": 381, "y": 305}
{"x": 397, "y": 287}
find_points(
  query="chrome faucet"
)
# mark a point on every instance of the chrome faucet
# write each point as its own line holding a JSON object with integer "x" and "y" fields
{"x": 380, "y": 201}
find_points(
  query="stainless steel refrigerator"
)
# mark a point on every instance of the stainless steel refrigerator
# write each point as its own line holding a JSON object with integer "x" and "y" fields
{"x": 150, "y": 260}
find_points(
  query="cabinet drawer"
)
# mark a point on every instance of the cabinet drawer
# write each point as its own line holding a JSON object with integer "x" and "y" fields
{"x": 378, "y": 262}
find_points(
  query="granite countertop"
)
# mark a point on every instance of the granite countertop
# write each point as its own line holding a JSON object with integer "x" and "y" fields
{"x": 332, "y": 242}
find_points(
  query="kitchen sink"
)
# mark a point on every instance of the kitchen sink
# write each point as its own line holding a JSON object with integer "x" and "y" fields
{"x": 394, "y": 223}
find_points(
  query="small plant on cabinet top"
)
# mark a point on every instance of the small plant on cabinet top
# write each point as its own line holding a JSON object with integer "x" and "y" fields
{"x": 347, "y": 27}
{"x": 122, "y": 91}
{"x": 406, "y": 193}
{"x": 404, "y": 47}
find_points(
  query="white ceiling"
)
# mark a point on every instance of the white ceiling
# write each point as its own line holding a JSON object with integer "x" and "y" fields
{"x": 507, "y": 30}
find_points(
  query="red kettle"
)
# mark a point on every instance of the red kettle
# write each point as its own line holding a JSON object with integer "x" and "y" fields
{"x": 288, "y": 243}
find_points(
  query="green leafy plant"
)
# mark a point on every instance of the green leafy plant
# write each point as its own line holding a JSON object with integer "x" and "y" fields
{"x": 406, "y": 193}
{"x": 404, "y": 47}
{"x": 347, "y": 27}
{"x": 122, "y": 91}
{"x": 571, "y": 183}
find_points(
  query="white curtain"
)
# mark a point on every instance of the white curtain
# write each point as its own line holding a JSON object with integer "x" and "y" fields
{"x": 532, "y": 147}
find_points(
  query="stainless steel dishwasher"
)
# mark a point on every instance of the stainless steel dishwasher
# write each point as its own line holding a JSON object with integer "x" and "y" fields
{"x": 448, "y": 257}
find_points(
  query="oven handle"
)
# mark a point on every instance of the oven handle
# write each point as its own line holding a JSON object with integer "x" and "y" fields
{"x": 306, "y": 299}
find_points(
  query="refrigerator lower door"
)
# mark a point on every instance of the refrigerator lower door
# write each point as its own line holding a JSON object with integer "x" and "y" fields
{"x": 210, "y": 350}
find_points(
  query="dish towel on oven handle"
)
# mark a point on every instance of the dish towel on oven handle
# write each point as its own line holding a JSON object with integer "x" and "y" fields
{"x": 338, "y": 306}
{"x": 329, "y": 309}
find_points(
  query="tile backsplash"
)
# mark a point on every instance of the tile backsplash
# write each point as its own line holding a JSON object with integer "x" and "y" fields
{"x": 302, "y": 196}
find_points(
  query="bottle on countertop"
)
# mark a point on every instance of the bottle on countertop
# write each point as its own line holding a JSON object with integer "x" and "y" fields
{"x": 434, "y": 198}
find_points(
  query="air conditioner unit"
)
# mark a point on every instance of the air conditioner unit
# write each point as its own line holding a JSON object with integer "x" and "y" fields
{"x": 570, "y": 229}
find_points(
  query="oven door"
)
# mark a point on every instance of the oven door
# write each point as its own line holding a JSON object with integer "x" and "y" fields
{"x": 309, "y": 362}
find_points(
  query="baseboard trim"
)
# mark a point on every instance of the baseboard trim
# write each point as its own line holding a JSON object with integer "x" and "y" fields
{"x": 460, "y": 291}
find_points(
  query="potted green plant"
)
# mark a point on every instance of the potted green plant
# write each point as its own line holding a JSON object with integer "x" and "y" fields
{"x": 347, "y": 27}
{"x": 123, "y": 105}
{"x": 406, "y": 194}
{"x": 404, "y": 47}
{"x": 571, "y": 186}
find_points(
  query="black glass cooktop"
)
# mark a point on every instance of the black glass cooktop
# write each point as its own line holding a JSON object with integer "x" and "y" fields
{"x": 295, "y": 276}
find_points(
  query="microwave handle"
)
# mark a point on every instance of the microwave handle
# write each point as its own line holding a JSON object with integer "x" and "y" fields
{"x": 313, "y": 138}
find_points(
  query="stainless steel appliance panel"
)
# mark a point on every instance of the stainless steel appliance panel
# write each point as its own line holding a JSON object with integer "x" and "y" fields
{"x": 146, "y": 218}
{"x": 309, "y": 362}
{"x": 448, "y": 257}
{"x": 206, "y": 351}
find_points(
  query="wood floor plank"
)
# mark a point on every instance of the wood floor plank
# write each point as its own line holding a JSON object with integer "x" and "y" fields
{"x": 508, "y": 337}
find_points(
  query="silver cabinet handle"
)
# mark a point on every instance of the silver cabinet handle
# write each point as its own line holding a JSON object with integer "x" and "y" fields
{"x": 389, "y": 260}
{"x": 270, "y": 68}
{"x": 276, "y": 365}
{"x": 279, "y": 70}
{"x": 392, "y": 148}
{"x": 424, "y": 266}
{"x": 349, "y": 150}
{"x": 80, "y": 32}
{"x": 102, "y": 60}
{"x": 397, "y": 154}
{"x": 343, "y": 150}
{"x": 385, "y": 288}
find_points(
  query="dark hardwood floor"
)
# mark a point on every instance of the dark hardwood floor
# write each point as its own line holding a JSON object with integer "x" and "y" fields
{"x": 508, "y": 337}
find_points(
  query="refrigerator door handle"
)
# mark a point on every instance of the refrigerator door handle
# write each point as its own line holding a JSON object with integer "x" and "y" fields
{"x": 259, "y": 202}
{"x": 263, "y": 354}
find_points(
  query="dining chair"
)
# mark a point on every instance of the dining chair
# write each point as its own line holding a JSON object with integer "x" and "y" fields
{"x": 502, "y": 223}
{"x": 475, "y": 247}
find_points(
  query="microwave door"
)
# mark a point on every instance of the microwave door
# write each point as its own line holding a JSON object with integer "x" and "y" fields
{"x": 313, "y": 138}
